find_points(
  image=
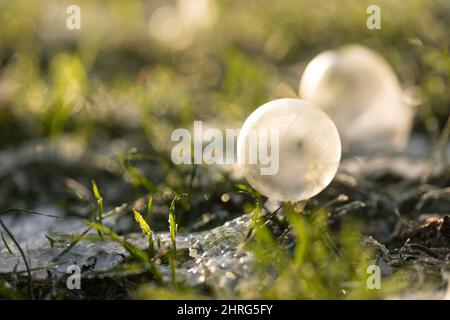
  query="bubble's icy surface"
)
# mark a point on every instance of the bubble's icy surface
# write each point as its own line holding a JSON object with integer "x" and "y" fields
{"x": 358, "y": 89}
{"x": 309, "y": 149}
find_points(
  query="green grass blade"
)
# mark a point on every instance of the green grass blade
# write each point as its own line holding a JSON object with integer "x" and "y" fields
{"x": 99, "y": 199}
{"x": 149, "y": 210}
{"x": 134, "y": 251}
{"x": 142, "y": 223}
{"x": 173, "y": 234}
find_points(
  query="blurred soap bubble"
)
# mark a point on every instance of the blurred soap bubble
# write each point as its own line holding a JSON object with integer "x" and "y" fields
{"x": 176, "y": 25}
{"x": 164, "y": 24}
{"x": 305, "y": 151}
{"x": 358, "y": 89}
{"x": 196, "y": 14}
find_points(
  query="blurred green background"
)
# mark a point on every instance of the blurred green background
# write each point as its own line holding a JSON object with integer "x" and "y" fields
{"x": 149, "y": 66}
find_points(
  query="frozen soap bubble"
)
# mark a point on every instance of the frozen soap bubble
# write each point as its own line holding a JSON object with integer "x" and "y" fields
{"x": 303, "y": 146}
{"x": 358, "y": 89}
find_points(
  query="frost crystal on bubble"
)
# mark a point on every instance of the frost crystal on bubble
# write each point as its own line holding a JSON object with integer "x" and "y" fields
{"x": 307, "y": 150}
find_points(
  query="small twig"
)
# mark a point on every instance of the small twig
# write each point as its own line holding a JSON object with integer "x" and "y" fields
{"x": 71, "y": 245}
{"x": 6, "y": 244}
{"x": 428, "y": 251}
{"x": 432, "y": 229}
{"x": 272, "y": 214}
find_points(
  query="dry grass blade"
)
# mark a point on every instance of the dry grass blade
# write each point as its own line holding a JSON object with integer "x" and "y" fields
{"x": 30, "y": 285}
